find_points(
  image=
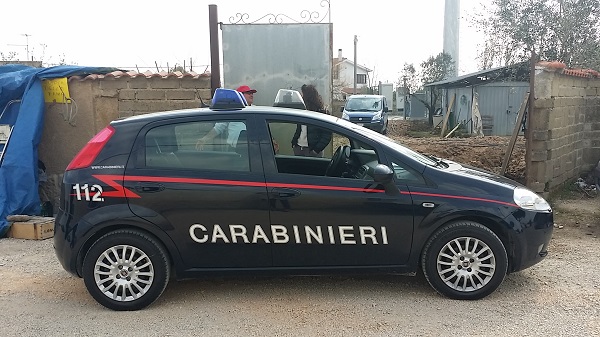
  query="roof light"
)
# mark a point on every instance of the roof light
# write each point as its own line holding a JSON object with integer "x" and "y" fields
{"x": 227, "y": 99}
{"x": 287, "y": 98}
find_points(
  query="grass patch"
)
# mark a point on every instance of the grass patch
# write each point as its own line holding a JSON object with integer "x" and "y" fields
{"x": 567, "y": 191}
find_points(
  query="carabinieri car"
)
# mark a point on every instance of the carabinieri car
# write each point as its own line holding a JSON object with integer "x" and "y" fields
{"x": 217, "y": 191}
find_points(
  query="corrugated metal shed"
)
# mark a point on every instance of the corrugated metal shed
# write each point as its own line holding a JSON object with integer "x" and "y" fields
{"x": 499, "y": 104}
{"x": 500, "y": 92}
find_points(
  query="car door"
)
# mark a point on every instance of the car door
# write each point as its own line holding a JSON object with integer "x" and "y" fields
{"x": 326, "y": 221}
{"x": 207, "y": 198}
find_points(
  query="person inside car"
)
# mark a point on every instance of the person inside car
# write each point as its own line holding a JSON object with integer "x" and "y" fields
{"x": 234, "y": 129}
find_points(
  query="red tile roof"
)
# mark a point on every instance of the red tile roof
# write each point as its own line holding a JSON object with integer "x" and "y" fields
{"x": 147, "y": 74}
{"x": 560, "y": 67}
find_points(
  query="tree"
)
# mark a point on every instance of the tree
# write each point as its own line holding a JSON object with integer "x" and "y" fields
{"x": 409, "y": 79}
{"x": 11, "y": 56}
{"x": 557, "y": 30}
{"x": 434, "y": 69}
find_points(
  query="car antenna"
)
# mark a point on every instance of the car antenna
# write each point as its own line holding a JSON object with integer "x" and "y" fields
{"x": 202, "y": 104}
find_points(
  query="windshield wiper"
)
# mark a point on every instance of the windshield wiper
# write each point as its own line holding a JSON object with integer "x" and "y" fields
{"x": 438, "y": 161}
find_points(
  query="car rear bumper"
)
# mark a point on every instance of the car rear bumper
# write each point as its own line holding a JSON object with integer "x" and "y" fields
{"x": 63, "y": 243}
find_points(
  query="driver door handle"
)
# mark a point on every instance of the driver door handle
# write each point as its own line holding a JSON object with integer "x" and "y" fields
{"x": 284, "y": 193}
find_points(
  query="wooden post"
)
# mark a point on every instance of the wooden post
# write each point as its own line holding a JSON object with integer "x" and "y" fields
{"x": 516, "y": 130}
{"x": 445, "y": 124}
{"x": 215, "y": 67}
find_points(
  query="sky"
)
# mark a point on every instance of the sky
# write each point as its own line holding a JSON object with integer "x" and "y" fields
{"x": 130, "y": 33}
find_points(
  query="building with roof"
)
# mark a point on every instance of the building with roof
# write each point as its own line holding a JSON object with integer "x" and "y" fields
{"x": 343, "y": 75}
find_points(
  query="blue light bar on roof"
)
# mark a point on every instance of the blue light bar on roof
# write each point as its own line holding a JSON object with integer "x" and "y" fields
{"x": 227, "y": 99}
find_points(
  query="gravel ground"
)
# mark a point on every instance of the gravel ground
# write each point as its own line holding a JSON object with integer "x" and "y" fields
{"x": 558, "y": 297}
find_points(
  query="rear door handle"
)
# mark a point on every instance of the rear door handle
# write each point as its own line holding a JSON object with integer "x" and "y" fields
{"x": 149, "y": 187}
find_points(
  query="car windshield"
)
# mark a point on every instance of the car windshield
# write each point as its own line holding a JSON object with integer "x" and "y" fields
{"x": 364, "y": 104}
{"x": 426, "y": 160}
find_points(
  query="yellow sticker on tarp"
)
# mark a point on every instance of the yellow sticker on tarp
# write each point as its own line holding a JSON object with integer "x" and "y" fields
{"x": 56, "y": 90}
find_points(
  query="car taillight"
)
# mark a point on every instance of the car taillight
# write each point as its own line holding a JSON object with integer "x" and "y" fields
{"x": 90, "y": 151}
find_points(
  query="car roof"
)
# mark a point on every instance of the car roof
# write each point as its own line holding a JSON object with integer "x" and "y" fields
{"x": 255, "y": 109}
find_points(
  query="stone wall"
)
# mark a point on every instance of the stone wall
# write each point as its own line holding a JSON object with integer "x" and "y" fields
{"x": 564, "y": 129}
{"x": 99, "y": 99}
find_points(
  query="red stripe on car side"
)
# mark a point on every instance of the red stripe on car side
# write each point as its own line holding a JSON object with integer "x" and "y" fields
{"x": 460, "y": 197}
{"x": 194, "y": 181}
{"x": 323, "y": 187}
{"x": 121, "y": 192}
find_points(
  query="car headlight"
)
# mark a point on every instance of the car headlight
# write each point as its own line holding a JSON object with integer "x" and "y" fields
{"x": 345, "y": 116}
{"x": 529, "y": 200}
{"x": 377, "y": 116}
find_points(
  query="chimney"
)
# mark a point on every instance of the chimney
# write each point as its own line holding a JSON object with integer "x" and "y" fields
{"x": 340, "y": 54}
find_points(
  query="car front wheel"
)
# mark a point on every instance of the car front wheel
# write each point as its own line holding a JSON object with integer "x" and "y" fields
{"x": 126, "y": 270}
{"x": 464, "y": 260}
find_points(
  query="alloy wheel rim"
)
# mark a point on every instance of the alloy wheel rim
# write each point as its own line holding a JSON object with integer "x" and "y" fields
{"x": 466, "y": 264}
{"x": 123, "y": 273}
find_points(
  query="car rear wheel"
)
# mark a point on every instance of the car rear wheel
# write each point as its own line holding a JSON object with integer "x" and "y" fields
{"x": 126, "y": 270}
{"x": 464, "y": 260}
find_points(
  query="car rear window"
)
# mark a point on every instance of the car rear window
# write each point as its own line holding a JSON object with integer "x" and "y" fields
{"x": 176, "y": 146}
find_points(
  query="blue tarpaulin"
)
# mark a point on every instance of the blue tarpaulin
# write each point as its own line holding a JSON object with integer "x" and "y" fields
{"x": 22, "y": 107}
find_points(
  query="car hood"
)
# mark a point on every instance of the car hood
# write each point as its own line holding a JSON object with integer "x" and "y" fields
{"x": 481, "y": 175}
{"x": 360, "y": 113}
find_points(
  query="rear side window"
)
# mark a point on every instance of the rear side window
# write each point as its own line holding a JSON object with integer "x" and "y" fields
{"x": 220, "y": 145}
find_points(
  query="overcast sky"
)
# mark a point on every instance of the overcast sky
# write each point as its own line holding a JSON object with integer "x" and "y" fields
{"x": 127, "y": 33}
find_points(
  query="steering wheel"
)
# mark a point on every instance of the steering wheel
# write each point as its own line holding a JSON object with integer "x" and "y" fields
{"x": 337, "y": 164}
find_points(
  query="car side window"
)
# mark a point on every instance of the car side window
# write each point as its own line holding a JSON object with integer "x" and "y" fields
{"x": 220, "y": 145}
{"x": 406, "y": 174}
{"x": 307, "y": 149}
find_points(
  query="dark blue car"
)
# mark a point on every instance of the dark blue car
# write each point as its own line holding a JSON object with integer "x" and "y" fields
{"x": 167, "y": 195}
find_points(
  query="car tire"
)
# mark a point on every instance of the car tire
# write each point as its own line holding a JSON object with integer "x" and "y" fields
{"x": 464, "y": 260}
{"x": 126, "y": 270}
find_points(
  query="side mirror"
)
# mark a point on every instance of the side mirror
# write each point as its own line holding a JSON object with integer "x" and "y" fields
{"x": 342, "y": 109}
{"x": 386, "y": 109}
{"x": 382, "y": 174}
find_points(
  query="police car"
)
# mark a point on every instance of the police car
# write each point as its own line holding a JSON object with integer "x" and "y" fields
{"x": 217, "y": 191}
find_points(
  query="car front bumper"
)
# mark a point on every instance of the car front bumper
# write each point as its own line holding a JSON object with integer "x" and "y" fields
{"x": 532, "y": 232}
{"x": 376, "y": 125}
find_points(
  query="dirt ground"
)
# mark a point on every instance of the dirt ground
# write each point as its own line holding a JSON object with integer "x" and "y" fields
{"x": 483, "y": 152}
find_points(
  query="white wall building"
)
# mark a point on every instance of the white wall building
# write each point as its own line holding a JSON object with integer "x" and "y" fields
{"x": 343, "y": 74}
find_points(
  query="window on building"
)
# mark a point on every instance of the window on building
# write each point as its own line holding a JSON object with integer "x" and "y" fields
{"x": 361, "y": 78}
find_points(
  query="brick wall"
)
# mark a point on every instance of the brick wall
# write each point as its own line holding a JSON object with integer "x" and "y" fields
{"x": 97, "y": 100}
{"x": 565, "y": 129}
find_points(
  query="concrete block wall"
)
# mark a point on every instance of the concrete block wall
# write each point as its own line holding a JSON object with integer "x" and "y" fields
{"x": 564, "y": 129}
{"x": 98, "y": 100}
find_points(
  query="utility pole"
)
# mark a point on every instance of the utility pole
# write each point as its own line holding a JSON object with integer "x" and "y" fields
{"x": 355, "y": 41}
{"x": 27, "y": 44}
